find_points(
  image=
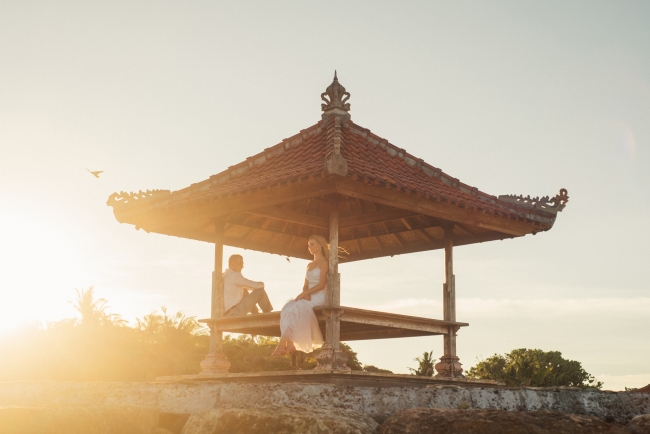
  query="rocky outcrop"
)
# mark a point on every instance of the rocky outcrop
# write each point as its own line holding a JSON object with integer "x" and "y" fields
{"x": 448, "y": 421}
{"x": 280, "y": 419}
{"x": 189, "y": 397}
{"x": 79, "y": 420}
{"x": 639, "y": 425}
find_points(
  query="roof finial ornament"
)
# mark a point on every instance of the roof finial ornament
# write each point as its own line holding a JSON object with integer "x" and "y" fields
{"x": 337, "y": 96}
{"x": 335, "y": 110}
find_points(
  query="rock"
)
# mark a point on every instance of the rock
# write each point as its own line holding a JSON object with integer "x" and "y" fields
{"x": 173, "y": 422}
{"x": 645, "y": 389}
{"x": 191, "y": 396}
{"x": 97, "y": 419}
{"x": 279, "y": 420}
{"x": 449, "y": 421}
{"x": 639, "y": 425}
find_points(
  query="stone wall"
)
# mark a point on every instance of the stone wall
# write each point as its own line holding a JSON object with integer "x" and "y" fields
{"x": 377, "y": 402}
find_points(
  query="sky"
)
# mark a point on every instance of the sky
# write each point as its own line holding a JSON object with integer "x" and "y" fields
{"x": 511, "y": 97}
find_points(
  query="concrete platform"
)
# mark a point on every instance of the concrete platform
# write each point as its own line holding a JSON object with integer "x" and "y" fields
{"x": 339, "y": 378}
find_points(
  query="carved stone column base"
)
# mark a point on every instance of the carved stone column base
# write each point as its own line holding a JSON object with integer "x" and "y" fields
{"x": 449, "y": 366}
{"x": 330, "y": 359}
{"x": 215, "y": 364}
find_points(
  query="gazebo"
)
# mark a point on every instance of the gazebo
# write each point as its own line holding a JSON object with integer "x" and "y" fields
{"x": 369, "y": 197}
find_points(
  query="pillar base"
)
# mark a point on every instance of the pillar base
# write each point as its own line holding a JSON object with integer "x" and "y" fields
{"x": 215, "y": 364}
{"x": 330, "y": 359}
{"x": 449, "y": 366}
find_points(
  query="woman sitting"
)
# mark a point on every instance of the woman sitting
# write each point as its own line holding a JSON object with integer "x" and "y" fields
{"x": 298, "y": 323}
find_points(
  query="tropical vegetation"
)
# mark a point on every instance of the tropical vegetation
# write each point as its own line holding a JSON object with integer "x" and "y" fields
{"x": 534, "y": 368}
{"x": 425, "y": 365}
{"x": 99, "y": 346}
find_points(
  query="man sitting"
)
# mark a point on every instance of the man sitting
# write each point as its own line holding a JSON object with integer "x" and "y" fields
{"x": 237, "y": 300}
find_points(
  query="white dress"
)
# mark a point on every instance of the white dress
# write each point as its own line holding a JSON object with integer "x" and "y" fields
{"x": 298, "y": 321}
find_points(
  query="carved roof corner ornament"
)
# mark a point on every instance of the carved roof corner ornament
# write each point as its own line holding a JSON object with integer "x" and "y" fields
{"x": 552, "y": 205}
{"x": 123, "y": 199}
{"x": 336, "y": 98}
{"x": 335, "y": 163}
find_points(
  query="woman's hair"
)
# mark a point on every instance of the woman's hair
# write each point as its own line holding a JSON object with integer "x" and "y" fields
{"x": 325, "y": 247}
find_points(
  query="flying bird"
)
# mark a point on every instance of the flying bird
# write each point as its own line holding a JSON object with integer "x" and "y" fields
{"x": 95, "y": 173}
{"x": 288, "y": 260}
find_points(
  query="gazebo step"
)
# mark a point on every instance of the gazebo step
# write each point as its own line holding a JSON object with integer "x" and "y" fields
{"x": 356, "y": 324}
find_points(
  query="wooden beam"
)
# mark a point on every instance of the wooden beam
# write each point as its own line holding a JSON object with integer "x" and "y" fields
{"x": 270, "y": 248}
{"x": 266, "y": 223}
{"x": 392, "y": 251}
{"x": 216, "y": 310}
{"x": 406, "y": 223}
{"x": 334, "y": 289}
{"x": 215, "y": 361}
{"x": 465, "y": 229}
{"x": 248, "y": 233}
{"x": 381, "y": 247}
{"x": 384, "y": 334}
{"x": 375, "y": 217}
{"x": 368, "y": 207}
{"x": 398, "y": 239}
{"x": 272, "y": 245}
{"x": 426, "y": 235}
{"x": 440, "y": 210}
{"x": 286, "y": 229}
{"x": 449, "y": 292}
{"x": 292, "y": 216}
{"x": 183, "y": 213}
{"x": 428, "y": 327}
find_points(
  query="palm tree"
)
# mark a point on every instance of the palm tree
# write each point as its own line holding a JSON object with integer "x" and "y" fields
{"x": 425, "y": 365}
{"x": 93, "y": 312}
{"x": 175, "y": 342}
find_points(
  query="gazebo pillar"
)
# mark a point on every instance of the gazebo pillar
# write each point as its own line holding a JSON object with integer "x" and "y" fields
{"x": 449, "y": 365}
{"x": 216, "y": 362}
{"x": 330, "y": 357}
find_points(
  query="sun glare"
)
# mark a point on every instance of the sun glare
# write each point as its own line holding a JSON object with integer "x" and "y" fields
{"x": 41, "y": 263}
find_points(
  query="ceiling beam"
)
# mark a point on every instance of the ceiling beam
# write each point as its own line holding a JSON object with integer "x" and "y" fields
{"x": 183, "y": 213}
{"x": 273, "y": 247}
{"x": 292, "y": 216}
{"x": 292, "y": 231}
{"x": 439, "y": 210}
{"x": 375, "y": 217}
{"x": 392, "y": 251}
{"x": 270, "y": 248}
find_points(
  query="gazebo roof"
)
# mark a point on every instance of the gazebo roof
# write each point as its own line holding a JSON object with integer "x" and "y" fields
{"x": 390, "y": 202}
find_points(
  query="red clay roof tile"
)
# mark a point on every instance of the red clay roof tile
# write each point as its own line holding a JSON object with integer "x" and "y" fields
{"x": 371, "y": 159}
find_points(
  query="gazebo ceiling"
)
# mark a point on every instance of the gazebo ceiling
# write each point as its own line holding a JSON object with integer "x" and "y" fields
{"x": 390, "y": 202}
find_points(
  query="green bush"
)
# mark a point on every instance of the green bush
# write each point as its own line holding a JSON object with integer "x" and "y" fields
{"x": 533, "y": 368}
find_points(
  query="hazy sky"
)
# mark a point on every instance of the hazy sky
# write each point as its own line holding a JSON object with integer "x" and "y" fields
{"x": 510, "y": 97}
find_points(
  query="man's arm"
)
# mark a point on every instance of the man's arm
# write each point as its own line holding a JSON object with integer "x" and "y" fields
{"x": 243, "y": 282}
